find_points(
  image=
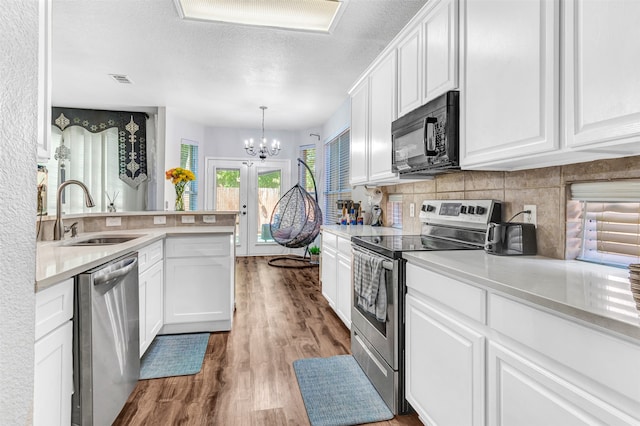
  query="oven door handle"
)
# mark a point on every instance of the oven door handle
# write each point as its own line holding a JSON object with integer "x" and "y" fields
{"x": 386, "y": 264}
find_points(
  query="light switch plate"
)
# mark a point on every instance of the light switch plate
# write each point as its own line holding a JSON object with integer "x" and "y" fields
{"x": 159, "y": 220}
{"x": 188, "y": 219}
{"x": 209, "y": 218}
{"x": 412, "y": 209}
{"x": 114, "y": 221}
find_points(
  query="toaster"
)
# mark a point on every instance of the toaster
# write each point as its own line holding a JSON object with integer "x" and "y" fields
{"x": 511, "y": 239}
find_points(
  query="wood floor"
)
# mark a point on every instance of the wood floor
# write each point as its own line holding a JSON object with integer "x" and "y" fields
{"x": 247, "y": 377}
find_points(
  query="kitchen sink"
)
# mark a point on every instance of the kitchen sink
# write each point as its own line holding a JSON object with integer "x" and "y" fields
{"x": 102, "y": 240}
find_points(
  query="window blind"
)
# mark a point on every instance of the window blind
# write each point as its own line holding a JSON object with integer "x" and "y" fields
{"x": 610, "y": 218}
{"x": 189, "y": 161}
{"x": 336, "y": 184}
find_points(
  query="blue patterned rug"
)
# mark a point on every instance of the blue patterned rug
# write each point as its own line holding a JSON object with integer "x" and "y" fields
{"x": 174, "y": 355}
{"x": 336, "y": 392}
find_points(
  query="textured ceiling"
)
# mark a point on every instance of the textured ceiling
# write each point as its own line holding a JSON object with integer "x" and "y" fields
{"x": 216, "y": 74}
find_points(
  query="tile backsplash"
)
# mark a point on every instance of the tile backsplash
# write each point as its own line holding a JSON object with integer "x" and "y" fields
{"x": 544, "y": 187}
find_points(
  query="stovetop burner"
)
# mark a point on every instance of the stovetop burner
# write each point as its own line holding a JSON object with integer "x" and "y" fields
{"x": 393, "y": 245}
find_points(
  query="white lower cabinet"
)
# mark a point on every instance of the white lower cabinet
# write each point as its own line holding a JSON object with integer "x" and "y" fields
{"x": 151, "y": 292}
{"x": 521, "y": 392}
{"x": 445, "y": 366}
{"x": 199, "y": 287}
{"x": 336, "y": 275}
{"x": 53, "y": 355}
{"x": 344, "y": 292}
{"x": 329, "y": 276}
{"x": 474, "y": 356}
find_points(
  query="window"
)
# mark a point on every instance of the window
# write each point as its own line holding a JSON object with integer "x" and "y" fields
{"x": 336, "y": 185}
{"x": 308, "y": 155}
{"x": 189, "y": 161}
{"x": 604, "y": 220}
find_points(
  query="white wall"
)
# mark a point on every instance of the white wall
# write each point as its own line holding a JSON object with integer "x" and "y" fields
{"x": 18, "y": 135}
{"x": 175, "y": 129}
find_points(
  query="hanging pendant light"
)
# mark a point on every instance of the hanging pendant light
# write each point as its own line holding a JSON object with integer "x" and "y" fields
{"x": 263, "y": 149}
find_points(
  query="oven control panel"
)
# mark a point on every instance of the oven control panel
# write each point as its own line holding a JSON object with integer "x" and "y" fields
{"x": 475, "y": 213}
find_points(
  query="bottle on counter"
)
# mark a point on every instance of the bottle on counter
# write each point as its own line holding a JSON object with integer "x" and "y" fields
{"x": 352, "y": 217}
{"x": 344, "y": 219}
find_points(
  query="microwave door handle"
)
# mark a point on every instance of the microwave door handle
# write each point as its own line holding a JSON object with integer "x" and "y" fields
{"x": 430, "y": 136}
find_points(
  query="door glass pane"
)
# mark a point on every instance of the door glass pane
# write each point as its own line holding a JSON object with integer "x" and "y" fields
{"x": 228, "y": 193}
{"x": 269, "y": 183}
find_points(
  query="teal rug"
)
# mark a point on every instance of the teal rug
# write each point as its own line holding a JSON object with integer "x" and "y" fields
{"x": 174, "y": 355}
{"x": 336, "y": 392}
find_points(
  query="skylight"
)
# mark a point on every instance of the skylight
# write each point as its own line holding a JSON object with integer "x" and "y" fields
{"x": 302, "y": 15}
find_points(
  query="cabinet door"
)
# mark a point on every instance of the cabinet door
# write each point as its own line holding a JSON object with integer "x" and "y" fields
{"x": 602, "y": 82}
{"x": 440, "y": 49}
{"x": 409, "y": 72}
{"x": 329, "y": 275}
{"x": 197, "y": 289}
{"x": 510, "y": 87}
{"x": 382, "y": 92}
{"x": 523, "y": 393}
{"x": 359, "y": 133}
{"x": 445, "y": 367}
{"x": 53, "y": 377}
{"x": 344, "y": 290}
{"x": 151, "y": 303}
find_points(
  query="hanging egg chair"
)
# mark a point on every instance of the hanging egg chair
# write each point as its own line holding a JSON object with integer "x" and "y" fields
{"x": 295, "y": 222}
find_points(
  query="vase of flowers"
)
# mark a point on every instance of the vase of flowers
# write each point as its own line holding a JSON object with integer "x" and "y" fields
{"x": 179, "y": 178}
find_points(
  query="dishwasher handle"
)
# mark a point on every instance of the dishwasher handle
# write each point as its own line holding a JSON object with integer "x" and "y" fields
{"x": 117, "y": 271}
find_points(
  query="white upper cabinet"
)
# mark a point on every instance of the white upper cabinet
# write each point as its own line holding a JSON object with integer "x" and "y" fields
{"x": 359, "y": 133}
{"x": 373, "y": 103}
{"x": 409, "y": 72}
{"x": 428, "y": 55}
{"x": 602, "y": 81}
{"x": 440, "y": 49}
{"x": 44, "y": 81}
{"x": 382, "y": 91}
{"x": 509, "y": 89}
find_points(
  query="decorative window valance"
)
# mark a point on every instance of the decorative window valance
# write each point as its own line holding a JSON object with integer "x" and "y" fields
{"x": 132, "y": 136}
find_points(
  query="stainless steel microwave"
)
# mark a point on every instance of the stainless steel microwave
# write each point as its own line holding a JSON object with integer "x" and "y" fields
{"x": 426, "y": 140}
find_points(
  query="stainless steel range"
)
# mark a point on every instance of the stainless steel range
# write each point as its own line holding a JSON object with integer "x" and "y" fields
{"x": 377, "y": 328}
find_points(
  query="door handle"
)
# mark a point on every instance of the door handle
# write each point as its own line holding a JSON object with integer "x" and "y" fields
{"x": 430, "y": 136}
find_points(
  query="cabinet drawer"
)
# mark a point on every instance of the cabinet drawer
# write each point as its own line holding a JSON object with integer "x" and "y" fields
{"x": 54, "y": 306}
{"x": 466, "y": 299}
{"x": 602, "y": 357}
{"x": 199, "y": 246}
{"x": 329, "y": 239}
{"x": 149, "y": 255}
{"x": 344, "y": 246}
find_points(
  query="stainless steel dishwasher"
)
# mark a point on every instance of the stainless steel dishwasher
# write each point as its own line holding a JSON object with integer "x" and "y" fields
{"x": 106, "y": 364}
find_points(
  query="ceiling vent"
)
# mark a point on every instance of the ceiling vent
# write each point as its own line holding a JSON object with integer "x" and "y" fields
{"x": 300, "y": 15}
{"x": 121, "y": 78}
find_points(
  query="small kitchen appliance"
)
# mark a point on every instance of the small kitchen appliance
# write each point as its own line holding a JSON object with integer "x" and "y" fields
{"x": 378, "y": 346}
{"x": 511, "y": 239}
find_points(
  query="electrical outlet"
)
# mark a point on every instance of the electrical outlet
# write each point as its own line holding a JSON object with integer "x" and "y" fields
{"x": 209, "y": 218}
{"x": 531, "y": 217}
{"x": 412, "y": 209}
{"x": 188, "y": 219}
{"x": 159, "y": 220}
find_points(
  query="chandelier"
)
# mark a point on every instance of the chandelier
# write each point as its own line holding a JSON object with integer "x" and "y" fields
{"x": 263, "y": 149}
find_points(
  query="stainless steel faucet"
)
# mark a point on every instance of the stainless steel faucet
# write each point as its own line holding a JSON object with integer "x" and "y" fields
{"x": 58, "y": 228}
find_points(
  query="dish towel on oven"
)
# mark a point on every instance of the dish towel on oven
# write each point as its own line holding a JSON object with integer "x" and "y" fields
{"x": 369, "y": 284}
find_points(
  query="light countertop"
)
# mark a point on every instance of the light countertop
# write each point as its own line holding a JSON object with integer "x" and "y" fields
{"x": 597, "y": 294}
{"x": 56, "y": 260}
{"x": 348, "y": 231}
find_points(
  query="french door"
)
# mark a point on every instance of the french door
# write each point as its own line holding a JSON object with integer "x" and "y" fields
{"x": 253, "y": 189}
